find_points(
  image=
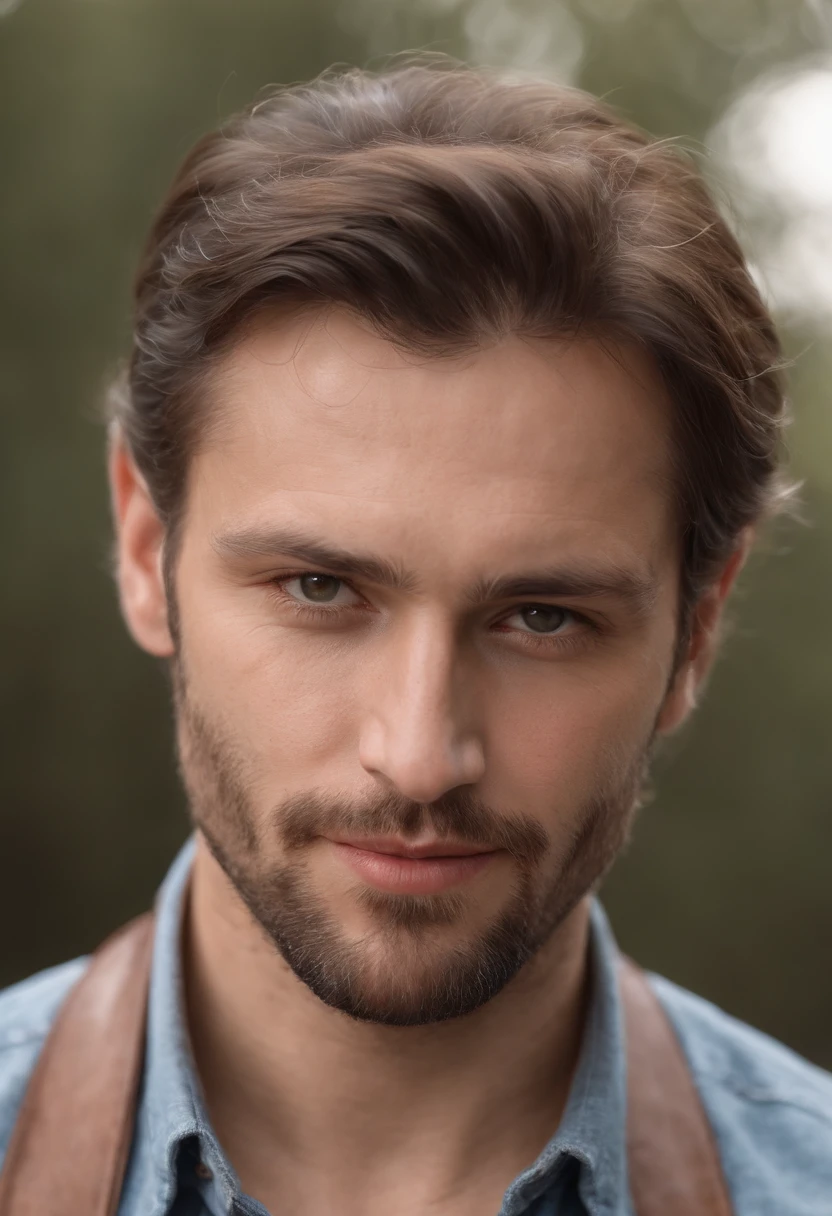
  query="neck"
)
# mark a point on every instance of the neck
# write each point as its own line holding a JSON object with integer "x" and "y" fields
{"x": 313, "y": 1106}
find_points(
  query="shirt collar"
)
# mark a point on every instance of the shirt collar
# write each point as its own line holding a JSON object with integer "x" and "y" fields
{"x": 172, "y": 1110}
{"x": 592, "y": 1129}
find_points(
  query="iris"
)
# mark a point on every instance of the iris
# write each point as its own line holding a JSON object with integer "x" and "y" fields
{"x": 320, "y": 588}
{"x": 543, "y": 618}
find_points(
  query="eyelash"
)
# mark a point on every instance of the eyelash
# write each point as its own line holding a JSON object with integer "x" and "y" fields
{"x": 568, "y": 643}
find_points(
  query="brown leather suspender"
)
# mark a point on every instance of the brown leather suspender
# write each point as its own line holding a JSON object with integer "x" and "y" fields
{"x": 671, "y": 1151}
{"x": 70, "y": 1145}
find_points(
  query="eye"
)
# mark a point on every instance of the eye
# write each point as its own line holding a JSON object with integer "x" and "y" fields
{"x": 320, "y": 589}
{"x": 540, "y": 618}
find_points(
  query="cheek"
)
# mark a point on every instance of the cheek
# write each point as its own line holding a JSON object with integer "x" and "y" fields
{"x": 286, "y": 694}
{"x": 564, "y": 737}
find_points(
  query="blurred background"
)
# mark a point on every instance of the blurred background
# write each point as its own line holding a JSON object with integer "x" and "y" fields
{"x": 727, "y": 888}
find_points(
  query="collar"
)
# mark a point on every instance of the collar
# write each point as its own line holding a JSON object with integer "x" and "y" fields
{"x": 173, "y": 1132}
{"x": 592, "y": 1130}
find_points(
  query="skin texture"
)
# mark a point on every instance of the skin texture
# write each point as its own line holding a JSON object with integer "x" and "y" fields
{"x": 361, "y": 1050}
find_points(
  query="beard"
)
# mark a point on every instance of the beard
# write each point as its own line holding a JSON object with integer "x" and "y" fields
{"x": 416, "y": 964}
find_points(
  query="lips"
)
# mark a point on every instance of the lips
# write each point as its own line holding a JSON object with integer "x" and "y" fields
{"x": 392, "y": 846}
{"x": 400, "y": 867}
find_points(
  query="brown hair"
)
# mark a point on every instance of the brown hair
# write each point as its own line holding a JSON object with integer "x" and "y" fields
{"x": 449, "y": 206}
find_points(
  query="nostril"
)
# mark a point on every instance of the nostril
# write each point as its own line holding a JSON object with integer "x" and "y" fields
{"x": 423, "y": 759}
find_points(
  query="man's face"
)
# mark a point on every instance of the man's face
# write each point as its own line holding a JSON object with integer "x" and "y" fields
{"x": 426, "y": 606}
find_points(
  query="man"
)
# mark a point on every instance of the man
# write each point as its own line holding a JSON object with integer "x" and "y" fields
{"x": 450, "y": 415}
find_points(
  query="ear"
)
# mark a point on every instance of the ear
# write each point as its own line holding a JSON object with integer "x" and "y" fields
{"x": 140, "y": 537}
{"x": 683, "y": 694}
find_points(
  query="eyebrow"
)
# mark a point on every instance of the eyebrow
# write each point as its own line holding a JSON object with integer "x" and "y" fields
{"x": 573, "y": 581}
{"x": 636, "y": 589}
{"x": 255, "y": 542}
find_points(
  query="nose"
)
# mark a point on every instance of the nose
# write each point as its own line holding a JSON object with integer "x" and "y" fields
{"x": 418, "y": 732}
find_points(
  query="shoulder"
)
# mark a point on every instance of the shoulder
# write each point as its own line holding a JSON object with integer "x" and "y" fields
{"x": 27, "y": 1011}
{"x": 771, "y": 1110}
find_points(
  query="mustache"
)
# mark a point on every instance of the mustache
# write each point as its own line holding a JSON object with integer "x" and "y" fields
{"x": 459, "y": 815}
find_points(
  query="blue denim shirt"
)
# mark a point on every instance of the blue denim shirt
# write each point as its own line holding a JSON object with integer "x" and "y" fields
{"x": 771, "y": 1111}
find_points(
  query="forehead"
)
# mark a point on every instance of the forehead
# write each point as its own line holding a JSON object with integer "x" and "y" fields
{"x": 490, "y": 453}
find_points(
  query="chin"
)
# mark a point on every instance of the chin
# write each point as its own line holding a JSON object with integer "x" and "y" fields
{"x": 398, "y": 996}
{"x": 409, "y": 974}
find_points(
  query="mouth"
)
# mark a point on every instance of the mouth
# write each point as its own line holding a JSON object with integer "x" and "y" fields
{"x": 401, "y": 867}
